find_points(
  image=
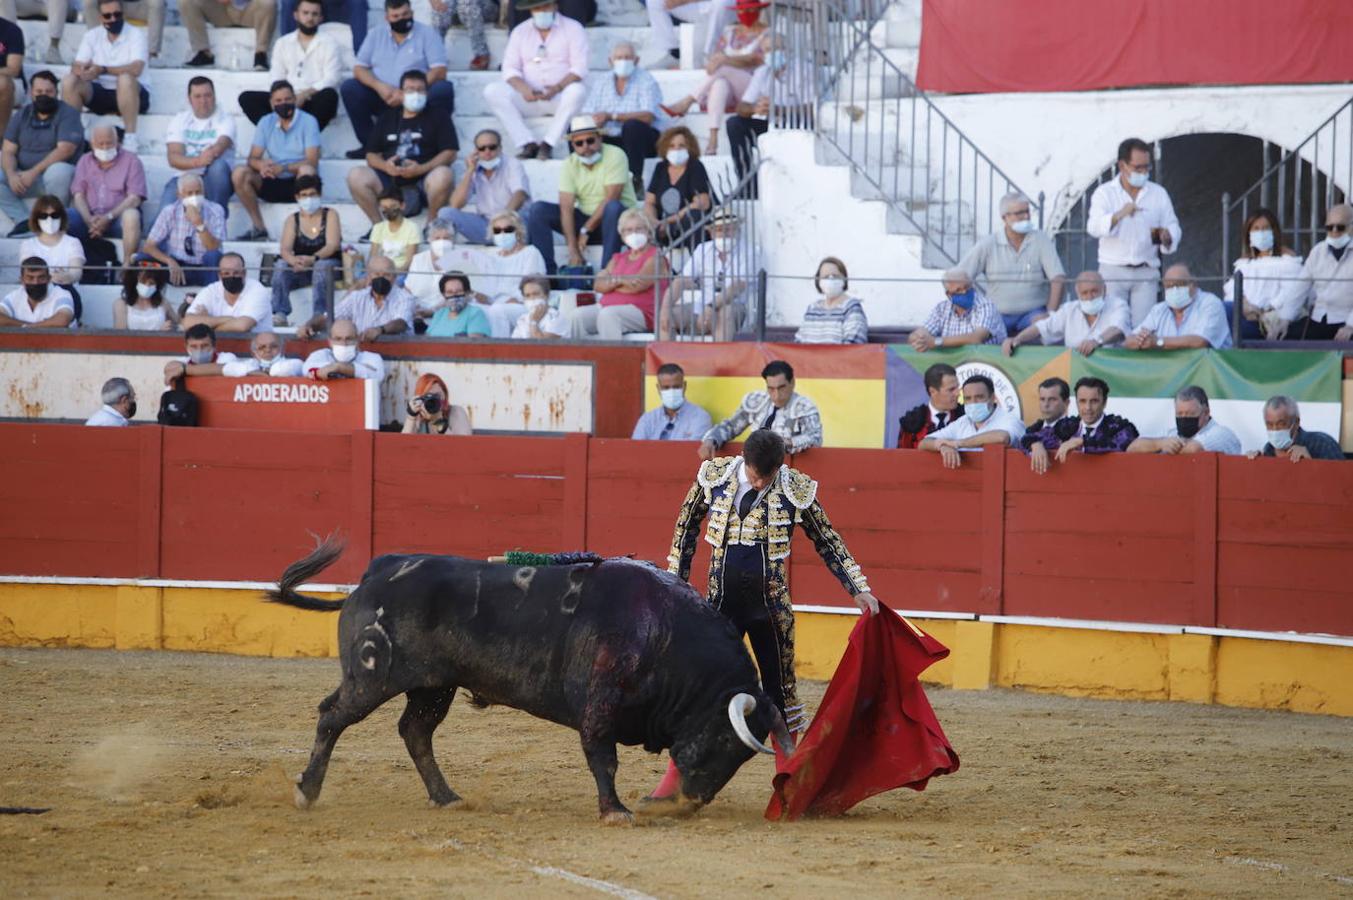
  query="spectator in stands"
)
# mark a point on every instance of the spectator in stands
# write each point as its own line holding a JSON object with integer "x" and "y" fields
{"x": 290, "y": 18}
{"x": 189, "y": 233}
{"x": 201, "y": 141}
{"x": 107, "y": 193}
{"x": 1286, "y": 437}
{"x": 984, "y": 423}
{"x": 738, "y": 52}
{"x": 1093, "y": 431}
{"x": 428, "y": 267}
{"x": 544, "y": 66}
{"x": 1021, "y": 271}
{"x": 377, "y": 83}
{"x": 286, "y": 145}
{"x": 344, "y": 358}
{"x": 940, "y": 410}
{"x": 471, "y": 14}
{"x": 722, "y": 271}
{"x": 144, "y": 306}
{"x": 267, "y": 359}
{"x": 382, "y": 307}
{"x": 106, "y": 77}
{"x": 199, "y": 343}
{"x": 430, "y": 410}
{"x": 629, "y": 285}
{"x": 674, "y": 419}
{"x": 307, "y": 60}
{"x": 39, "y": 151}
{"x": 56, "y": 12}
{"x": 1087, "y": 324}
{"x": 64, "y": 255}
{"x": 795, "y": 89}
{"x": 234, "y": 303}
{"x": 11, "y": 68}
{"x": 510, "y": 259}
{"x": 789, "y": 414}
{"x": 394, "y": 236}
{"x": 1041, "y": 437}
{"x": 964, "y": 317}
{"x": 1329, "y": 275}
{"x": 584, "y": 11}
{"x": 309, "y": 253}
{"x": 542, "y": 320}
{"x": 626, "y": 105}
{"x": 678, "y": 196}
{"x": 593, "y": 183}
{"x": 1134, "y": 221}
{"x": 1195, "y": 430}
{"x": 410, "y": 152}
{"x": 149, "y": 11}
{"x": 459, "y": 315}
{"x": 36, "y": 302}
{"x": 837, "y": 318}
{"x": 1275, "y": 289}
{"x": 260, "y": 15}
{"x": 119, "y": 405}
{"x": 493, "y": 182}
{"x": 1187, "y": 320}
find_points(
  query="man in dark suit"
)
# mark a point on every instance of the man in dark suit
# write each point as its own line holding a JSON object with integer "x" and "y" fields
{"x": 941, "y": 384}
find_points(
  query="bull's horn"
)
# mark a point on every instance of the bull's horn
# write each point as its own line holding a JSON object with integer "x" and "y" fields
{"x": 738, "y": 707}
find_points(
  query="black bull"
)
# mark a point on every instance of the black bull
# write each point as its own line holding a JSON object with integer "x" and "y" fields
{"x": 616, "y": 649}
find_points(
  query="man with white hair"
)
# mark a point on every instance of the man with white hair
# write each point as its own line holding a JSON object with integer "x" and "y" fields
{"x": 627, "y": 105}
{"x": 119, "y": 405}
{"x": 267, "y": 359}
{"x": 344, "y": 358}
{"x": 1086, "y": 323}
{"x": 107, "y": 193}
{"x": 1019, "y": 267}
{"x": 1189, "y": 319}
{"x": 964, "y": 317}
{"x": 1286, "y": 437}
{"x": 188, "y": 233}
{"x": 1329, "y": 274}
{"x": 1195, "y": 430}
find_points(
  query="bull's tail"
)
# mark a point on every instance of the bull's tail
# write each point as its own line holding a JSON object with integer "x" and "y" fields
{"x": 302, "y": 570}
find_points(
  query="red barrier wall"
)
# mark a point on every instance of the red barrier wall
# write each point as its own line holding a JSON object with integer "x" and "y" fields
{"x": 1202, "y": 540}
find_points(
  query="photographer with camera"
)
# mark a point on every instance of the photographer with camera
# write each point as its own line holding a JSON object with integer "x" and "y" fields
{"x": 430, "y": 411}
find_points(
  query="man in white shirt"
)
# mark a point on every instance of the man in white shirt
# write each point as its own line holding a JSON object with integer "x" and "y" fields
{"x": 343, "y": 358}
{"x": 310, "y": 61}
{"x": 544, "y": 67}
{"x": 119, "y": 405}
{"x": 1195, "y": 430}
{"x": 493, "y": 182}
{"x": 1134, "y": 221}
{"x": 267, "y": 359}
{"x": 984, "y": 422}
{"x": 1329, "y": 274}
{"x": 1189, "y": 319}
{"x": 201, "y": 356}
{"x": 37, "y": 303}
{"x": 201, "y": 141}
{"x": 106, "y": 75}
{"x": 722, "y": 272}
{"x": 233, "y": 303}
{"x": 1087, "y": 324}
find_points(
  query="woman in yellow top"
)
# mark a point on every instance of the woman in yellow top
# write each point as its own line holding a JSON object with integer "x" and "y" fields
{"x": 394, "y": 237}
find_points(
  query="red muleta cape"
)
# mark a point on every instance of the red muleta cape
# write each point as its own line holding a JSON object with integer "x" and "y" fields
{"x": 875, "y": 730}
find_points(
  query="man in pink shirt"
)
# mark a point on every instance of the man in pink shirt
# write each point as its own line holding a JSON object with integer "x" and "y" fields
{"x": 107, "y": 192}
{"x": 544, "y": 66}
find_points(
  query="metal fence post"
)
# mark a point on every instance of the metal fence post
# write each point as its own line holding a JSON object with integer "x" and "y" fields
{"x": 761, "y": 283}
{"x": 1237, "y": 292}
{"x": 1225, "y": 229}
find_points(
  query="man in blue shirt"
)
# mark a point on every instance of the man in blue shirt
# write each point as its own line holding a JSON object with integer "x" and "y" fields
{"x": 676, "y": 419}
{"x": 386, "y": 54}
{"x": 286, "y": 144}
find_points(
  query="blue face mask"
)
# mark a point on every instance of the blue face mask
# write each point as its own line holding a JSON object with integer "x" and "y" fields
{"x": 965, "y": 300}
{"x": 1280, "y": 440}
{"x": 979, "y": 413}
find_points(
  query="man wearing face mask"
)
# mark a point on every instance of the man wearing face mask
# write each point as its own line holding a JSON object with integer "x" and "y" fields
{"x": 267, "y": 359}
{"x": 1086, "y": 324}
{"x": 106, "y": 77}
{"x": 107, "y": 193}
{"x": 1189, "y": 319}
{"x": 544, "y": 67}
{"x": 188, "y": 233}
{"x": 1329, "y": 274}
{"x": 722, "y": 272}
{"x": 964, "y": 317}
{"x": 1093, "y": 431}
{"x": 1019, "y": 265}
{"x": 39, "y": 151}
{"x": 119, "y": 405}
{"x": 37, "y": 303}
{"x": 382, "y": 307}
{"x": 1195, "y": 430}
{"x": 343, "y": 358}
{"x": 387, "y": 53}
{"x": 202, "y": 357}
{"x": 542, "y": 320}
{"x": 1134, "y": 221}
{"x": 676, "y": 418}
{"x": 286, "y": 145}
{"x": 984, "y": 423}
{"x": 235, "y": 303}
{"x": 627, "y": 107}
{"x": 493, "y": 182}
{"x": 1286, "y": 437}
{"x": 309, "y": 61}
{"x": 411, "y": 149}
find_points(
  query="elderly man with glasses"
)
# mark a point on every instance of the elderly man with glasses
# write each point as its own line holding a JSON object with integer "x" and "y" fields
{"x": 1329, "y": 274}
{"x": 1019, "y": 267}
{"x": 493, "y": 182}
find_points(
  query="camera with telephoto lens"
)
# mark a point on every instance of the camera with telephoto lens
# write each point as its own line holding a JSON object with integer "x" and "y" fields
{"x": 432, "y": 404}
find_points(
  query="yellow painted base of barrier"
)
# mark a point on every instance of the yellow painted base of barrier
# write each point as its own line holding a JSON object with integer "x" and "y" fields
{"x": 1235, "y": 671}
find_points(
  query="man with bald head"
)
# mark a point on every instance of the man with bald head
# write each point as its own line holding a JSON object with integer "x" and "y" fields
{"x": 1329, "y": 272}
{"x": 1087, "y": 323}
{"x": 344, "y": 358}
{"x": 107, "y": 192}
{"x": 627, "y": 106}
{"x": 1189, "y": 319}
{"x": 267, "y": 358}
{"x": 964, "y": 317}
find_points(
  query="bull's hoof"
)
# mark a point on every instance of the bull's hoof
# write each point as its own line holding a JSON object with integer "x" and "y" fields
{"x": 451, "y": 803}
{"x": 617, "y": 817}
{"x": 302, "y": 802}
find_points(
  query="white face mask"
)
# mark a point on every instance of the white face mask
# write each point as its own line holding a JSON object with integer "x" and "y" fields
{"x": 1178, "y": 297}
{"x": 415, "y": 103}
{"x": 591, "y": 159}
{"x": 491, "y": 163}
{"x": 623, "y": 68}
{"x": 722, "y": 244}
{"x": 145, "y": 291}
{"x": 1262, "y": 240}
{"x": 264, "y": 364}
{"x": 49, "y": 224}
{"x": 1022, "y": 226}
{"x": 534, "y": 303}
{"x": 636, "y": 240}
{"x": 308, "y": 205}
{"x": 506, "y": 240}
{"x": 344, "y": 353}
{"x": 1138, "y": 179}
{"x": 544, "y": 20}
{"x": 678, "y": 156}
{"x": 105, "y": 154}
{"x": 193, "y": 200}
{"x": 440, "y": 247}
{"x": 672, "y": 398}
{"x": 1092, "y": 307}
{"x": 1339, "y": 242}
{"x": 832, "y": 286}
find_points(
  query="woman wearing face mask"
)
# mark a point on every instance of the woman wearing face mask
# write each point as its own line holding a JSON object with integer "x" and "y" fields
{"x": 394, "y": 237}
{"x": 629, "y": 285}
{"x": 430, "y": 412}
{"x": 503, "y": 268}
{"x": 542, "y": 320}
{"x": 460, "y": 315}
{"x": 739, "y": 52}
{"x": 1274, "y": 284}
{"x": 143, "y": 306}
{"x": 428, "y": 267}
{"x": 678, "y": 194}
{"x": 309, "y": 252}
{"x": 836, "y": 318}
{"x": 65, "y": 256}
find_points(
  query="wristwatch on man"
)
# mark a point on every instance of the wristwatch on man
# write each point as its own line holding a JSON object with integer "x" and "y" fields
{"x": 1160, "y": 343}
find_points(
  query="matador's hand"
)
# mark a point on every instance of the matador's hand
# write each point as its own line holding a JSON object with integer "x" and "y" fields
{"x": 867, "y": 602}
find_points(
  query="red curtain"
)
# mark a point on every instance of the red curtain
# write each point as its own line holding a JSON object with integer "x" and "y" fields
{"x": 984, "y": 46}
